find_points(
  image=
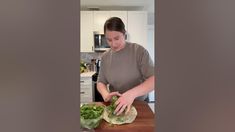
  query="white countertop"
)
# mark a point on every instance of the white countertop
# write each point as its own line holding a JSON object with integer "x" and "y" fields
{"x": 87, "y": 74}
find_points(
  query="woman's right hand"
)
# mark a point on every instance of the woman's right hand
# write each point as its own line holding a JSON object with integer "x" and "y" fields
{"x": 110, "y": 95}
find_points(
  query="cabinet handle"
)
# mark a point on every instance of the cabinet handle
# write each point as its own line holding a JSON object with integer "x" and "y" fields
{"x": 82, "y": 92}
{"x": 82, "y": 81}
{"x": 92, "y": 48}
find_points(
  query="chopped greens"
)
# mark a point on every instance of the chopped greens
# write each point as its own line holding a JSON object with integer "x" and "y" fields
{"x": 111, "y": 108}
{"x": 91, "y": 115}
{"x": 91, "y": 111}
{"x": 120, "y": 119}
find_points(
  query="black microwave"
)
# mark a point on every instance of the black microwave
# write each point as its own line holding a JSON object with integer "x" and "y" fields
{"x": 100, "y": 43}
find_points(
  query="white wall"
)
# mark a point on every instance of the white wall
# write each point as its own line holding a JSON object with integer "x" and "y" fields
{"x": 150, "y": 39}
{"x": 150, "y": 47}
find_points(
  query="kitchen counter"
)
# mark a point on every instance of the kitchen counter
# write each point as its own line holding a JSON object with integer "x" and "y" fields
{"x": 87, "y": 74}
{"x": 144, "y": 121}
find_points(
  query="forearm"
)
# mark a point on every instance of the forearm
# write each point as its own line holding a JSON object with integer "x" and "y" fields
{"x": 102, "y": 88}
{"x": 144, "y": 88}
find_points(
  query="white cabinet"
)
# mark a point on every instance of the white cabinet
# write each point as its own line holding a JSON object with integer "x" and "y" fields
{"x": 137, "y": 27}
{"x": 86, "y": 88}
{"x": 86, "y": 32}
{"x": 93, "y": 21}
{"x": 101, "y": 16}
{"x": 99, "y": 19}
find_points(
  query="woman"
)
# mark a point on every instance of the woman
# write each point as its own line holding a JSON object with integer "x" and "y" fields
{"x": 127, "y": 68}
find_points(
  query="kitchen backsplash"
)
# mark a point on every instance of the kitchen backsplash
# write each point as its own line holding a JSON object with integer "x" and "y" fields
{"x": 87, "y": 56}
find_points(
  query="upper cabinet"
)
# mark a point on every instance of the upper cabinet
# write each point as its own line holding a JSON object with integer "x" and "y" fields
{"x": 86, "y": 32}
{"x": 137, "y": 27}
{"x": 101, "y": 16}
{"x": 93, "y": 21}
{"x": 99, "y": 19}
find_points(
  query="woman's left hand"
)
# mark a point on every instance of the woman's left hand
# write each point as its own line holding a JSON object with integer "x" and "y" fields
{"x": 124, "y": 102}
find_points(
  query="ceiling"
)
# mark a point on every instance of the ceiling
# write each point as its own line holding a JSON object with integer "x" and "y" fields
{"x": 128, "y": 5}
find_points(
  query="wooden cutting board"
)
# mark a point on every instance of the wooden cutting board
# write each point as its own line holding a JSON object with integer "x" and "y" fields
{"x": 144, "y": 121}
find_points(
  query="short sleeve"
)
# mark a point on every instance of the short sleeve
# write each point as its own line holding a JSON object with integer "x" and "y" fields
{"x": 101, "y": 75}
{"x": 145, "y": 63}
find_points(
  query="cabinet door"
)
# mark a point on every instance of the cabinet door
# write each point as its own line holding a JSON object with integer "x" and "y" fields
{"x": 86, "y": 34}
{"x": 86, "y": 90}
{"x": 120, "y": 14}
{"x": 99, "y": 19}
{"x": 137, "y": 27}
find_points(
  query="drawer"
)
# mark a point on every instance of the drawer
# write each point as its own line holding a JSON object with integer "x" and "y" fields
{"x": 86, "y": 92}
{"x": 86, "y": 89}
{"x": 86, "y": 80}
{"x": 85, "y": 97}
{"x": 86, "y": 86}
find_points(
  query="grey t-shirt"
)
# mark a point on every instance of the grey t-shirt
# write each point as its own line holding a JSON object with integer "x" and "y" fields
{"x": 126, "y": 68}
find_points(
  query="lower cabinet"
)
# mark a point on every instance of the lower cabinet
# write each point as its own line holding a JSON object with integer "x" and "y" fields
{"x": 86, "y": 90}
